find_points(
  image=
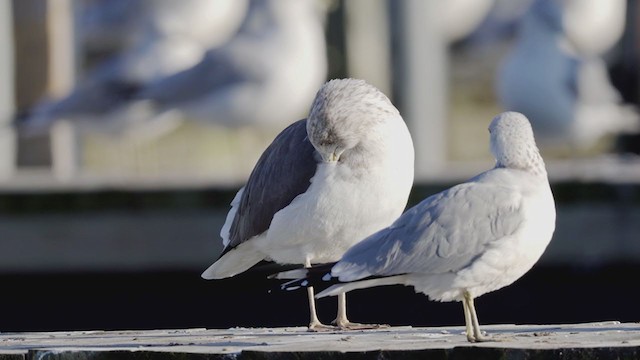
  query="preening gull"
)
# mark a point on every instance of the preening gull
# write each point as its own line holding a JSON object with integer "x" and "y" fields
{"x": 461, "y": 243}
{"x": 322, "y": 185}
{"x": 265, "y": 75}
{"x": 559, "y": 82}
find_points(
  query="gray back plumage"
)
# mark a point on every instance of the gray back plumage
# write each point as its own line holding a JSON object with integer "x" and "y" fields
{"x": 444, "y": 233}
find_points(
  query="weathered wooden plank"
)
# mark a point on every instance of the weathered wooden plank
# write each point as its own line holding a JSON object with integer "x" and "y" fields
{"x": 607, "y": 340}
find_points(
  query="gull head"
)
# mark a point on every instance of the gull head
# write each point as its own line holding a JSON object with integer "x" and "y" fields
{"x": 513, "y": 144}
{"x": 343, "y": 115}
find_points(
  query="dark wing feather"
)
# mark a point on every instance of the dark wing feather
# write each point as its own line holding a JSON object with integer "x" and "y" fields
{"x": 283, "y": 172}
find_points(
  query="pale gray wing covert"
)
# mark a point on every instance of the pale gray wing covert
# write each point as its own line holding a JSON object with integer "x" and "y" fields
{"x": 443, "y": 233}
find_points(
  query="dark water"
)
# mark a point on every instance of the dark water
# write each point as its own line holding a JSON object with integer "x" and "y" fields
{"x": 546, "y": 295}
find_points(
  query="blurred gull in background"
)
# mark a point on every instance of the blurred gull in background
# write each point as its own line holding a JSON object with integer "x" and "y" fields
{"x": 160, "y": 38}
{"x": 105, "y": 25}
{"x": 593, "y": 26}
{"x": 266, "y": 75}
{"x": 463, "y": 16}
{"x": 555, "y": 76}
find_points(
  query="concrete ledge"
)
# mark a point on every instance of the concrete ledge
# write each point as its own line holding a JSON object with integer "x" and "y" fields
{"x": 606, "y": 340}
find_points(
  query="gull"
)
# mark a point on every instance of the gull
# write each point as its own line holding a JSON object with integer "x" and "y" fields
{"x": 163, "y": 37}
{"x": 461, "y": 243}
{"x": 567, "y": 95}
{"x": 117, "y": 24}
{"x": 594, "y": 26}
{"x": 323, "y": 184}
{"x": 265, "y": 75}
{"x": 462, "y": 17}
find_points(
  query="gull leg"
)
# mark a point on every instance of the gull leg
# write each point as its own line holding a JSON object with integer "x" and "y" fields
{"x": 477, "y": 334}
{"x": 467, "y": 319}
{"x": 343, "y": 323}
{"x": 314, "y": 322}
{"x": 341, "y": 319}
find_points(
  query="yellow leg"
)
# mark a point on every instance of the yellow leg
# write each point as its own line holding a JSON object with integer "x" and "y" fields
{"x": 314, "y": 322}
{"x": 475, "y": 335}
{"x": 341, "y": 317}
{"x": 343, "y": 323}
{"x": 467, "y": 320}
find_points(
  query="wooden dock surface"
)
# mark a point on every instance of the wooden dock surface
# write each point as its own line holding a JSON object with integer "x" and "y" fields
{"x": 605, "y": 340}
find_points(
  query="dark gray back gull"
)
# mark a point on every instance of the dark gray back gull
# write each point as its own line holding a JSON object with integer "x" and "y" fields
{"x": 283, "y": 172}
{"x": 324, "y": 184}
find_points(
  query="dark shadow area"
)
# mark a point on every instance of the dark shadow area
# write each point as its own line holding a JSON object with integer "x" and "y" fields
{"x": 546, "y": 295}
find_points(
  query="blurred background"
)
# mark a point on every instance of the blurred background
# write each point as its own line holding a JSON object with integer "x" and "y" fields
{"x": 127, "y": 126}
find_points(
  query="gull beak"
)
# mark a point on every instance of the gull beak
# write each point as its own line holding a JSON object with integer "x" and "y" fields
{"x": 333, "y": 156}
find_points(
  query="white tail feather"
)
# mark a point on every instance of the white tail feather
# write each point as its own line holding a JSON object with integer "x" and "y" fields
{"x": 235, "y": 203}
{"x": 234, "y": 262}
{"x": 294, "y": 274}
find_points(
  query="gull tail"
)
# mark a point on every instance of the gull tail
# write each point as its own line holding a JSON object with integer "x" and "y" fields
{"x": 317, "y": 276}
{"x": 320, "y": 277}
{"x": 233, "y": 262}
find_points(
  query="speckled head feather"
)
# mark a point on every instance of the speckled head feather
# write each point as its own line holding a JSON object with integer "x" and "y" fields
{"x": 343, "y": 110}
{"x": 513, "y": 144}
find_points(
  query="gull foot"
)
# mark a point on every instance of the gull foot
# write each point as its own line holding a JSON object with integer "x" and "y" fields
{"x": 480, "y": 338}
{"x": 348, "y": 325}
{"x": 320, "y": 327}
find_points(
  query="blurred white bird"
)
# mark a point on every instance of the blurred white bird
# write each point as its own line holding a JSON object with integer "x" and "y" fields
{"x": 567, "y": 96}
{"x": 175, "y": 35}
{"x": 166, "y": 37}
{"x": 266, "y": 75}
{"x": 463, "y": 16}
{"x": 593, "y": 26}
